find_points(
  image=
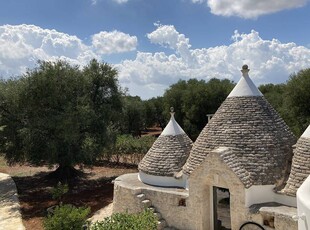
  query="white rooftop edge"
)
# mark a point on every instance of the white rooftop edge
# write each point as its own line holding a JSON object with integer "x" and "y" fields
{"x": 306, "y": 134}
{"x": 172, "y": 128}
{"x": 245, "y": 86}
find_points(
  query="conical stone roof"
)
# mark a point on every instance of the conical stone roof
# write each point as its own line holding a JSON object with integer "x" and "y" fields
{"x": 301, "y": 164}
{"x": 168, "y": 153}
{"x": 259, "y": 139}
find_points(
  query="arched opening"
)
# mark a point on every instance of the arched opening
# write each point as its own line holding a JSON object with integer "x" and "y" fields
{"x": 221, "y": 208}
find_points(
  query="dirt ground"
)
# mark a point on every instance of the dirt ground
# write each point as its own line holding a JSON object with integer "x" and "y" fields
{"x": 94, "y": 189}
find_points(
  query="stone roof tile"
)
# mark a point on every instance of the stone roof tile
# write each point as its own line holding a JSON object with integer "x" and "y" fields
{"x": 167, "y": 155}
{"x": 261, "y": 141}
{"x": 300, "y": 166}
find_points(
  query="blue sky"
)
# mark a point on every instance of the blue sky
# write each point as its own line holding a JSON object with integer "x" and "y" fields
{"x": 153, "y": 44}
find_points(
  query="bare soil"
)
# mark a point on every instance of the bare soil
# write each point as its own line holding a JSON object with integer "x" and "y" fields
{"x": 94, "y": 189}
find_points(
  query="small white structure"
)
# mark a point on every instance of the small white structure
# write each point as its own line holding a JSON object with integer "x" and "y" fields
{"x": 245, "y": 87}
{"x": 245, "y": 150}
{"x": 299, "y": 180}
{"x": 301, "y": 164}
{"x": 166, "y": 157}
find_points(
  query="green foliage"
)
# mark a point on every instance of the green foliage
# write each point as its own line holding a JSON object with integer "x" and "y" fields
{"x": 130, "y": 148}
{"x": 59, "y": 114}
{"x": 138, "y": 115}
{"x": 297, "y": 101}
{"x": 291, "y": 100}
{"x": 145, "y": 220}
{"x": 133, "y": 117}
{"x": 66, "y": 217}
{"x": 154, "y": 112}
{"x": 193, "y": 100}
{"x": 127, "y": 144}
{"x": 274, "y": 94}
{"x": 59, "y": 190}
{"x": 10, "y": 119}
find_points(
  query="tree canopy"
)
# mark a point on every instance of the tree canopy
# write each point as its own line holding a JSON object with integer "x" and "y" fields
{"x": 193, "y": 100}
{"x": 66, "y": 115}
{"x": 133, "y": 116}
{"x": 58, "y": 114}
{"x": 297, "y": 101}
{"x": 291, "y": 100}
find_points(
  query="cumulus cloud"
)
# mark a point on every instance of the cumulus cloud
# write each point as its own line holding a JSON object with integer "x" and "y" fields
{"x": 168, "y": 36}
{"x": 22, "y": 45}
{"x": 148, "y": 74}
{"x": 114, "y": 42}
{"x": 250, "y": 8}
{"x": 269, "y": 61}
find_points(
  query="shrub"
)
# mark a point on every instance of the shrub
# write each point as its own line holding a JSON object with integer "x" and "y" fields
{"x": 59, "y": 190}
{"x": 129, "y": 149}
{"x": 66, "y": 217}
{"x": 145, "y": 220}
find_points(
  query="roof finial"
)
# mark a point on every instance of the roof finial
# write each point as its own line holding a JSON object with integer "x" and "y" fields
{"x": 171, "y": 111}
{"x": 245, "y": 71}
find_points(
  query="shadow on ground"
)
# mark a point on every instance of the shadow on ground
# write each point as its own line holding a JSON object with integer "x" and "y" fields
{"x": 35, "y": 193}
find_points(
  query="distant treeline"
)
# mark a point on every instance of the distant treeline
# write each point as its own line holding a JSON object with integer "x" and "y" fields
{"x": 194, "y": 99}
{"x": 67, "y": 115}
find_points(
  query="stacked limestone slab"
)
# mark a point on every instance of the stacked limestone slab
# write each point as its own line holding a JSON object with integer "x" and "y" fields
{"x": 301, "y": 164}
{"x": 167, "y": 155}
{"x": 260, "y": 141}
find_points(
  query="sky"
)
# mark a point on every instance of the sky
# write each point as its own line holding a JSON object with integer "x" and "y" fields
{"x": 155, "y": 43}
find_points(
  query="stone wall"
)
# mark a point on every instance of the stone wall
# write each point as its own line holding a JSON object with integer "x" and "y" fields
{"x": 278, "y": 217}
{"x": 214, "y": 172}
{"x": 168, "y": 201}
{"x": 124, "y": 198}
{"x": 192, "y": 209}
{"x": 198, "y": 210}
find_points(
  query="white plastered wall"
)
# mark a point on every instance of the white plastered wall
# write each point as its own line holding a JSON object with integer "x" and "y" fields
{"x": 162, "y": 181}
{"x": 303, "y": 205}
{"x": 264, "y": 193}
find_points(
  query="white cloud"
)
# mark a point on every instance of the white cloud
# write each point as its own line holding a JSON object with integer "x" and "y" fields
{"x": 94, "y": 2}
{"x": 120, "y": 1}
{"x": 270, "y": 61}
{"x": 168, "y": 36}
{"x": 250, "y": 8}
{"x": 22, "y": 45}
{"x": 148, "y": 74}
{"x": 114, "y": 42}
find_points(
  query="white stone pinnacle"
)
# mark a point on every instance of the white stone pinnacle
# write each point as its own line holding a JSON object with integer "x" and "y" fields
{"x": 245, "y": 86}
{"x": 306, "y": 134}
{"x": 172, "y": 128}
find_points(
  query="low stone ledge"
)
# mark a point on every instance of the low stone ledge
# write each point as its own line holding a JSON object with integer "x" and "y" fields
{"x": 10, "y": 216}
{"x": 279, "y": 217}
{"x": 131, "y": 181}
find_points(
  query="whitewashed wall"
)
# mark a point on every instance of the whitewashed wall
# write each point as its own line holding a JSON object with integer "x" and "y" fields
{"x": 303, "y": 205}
